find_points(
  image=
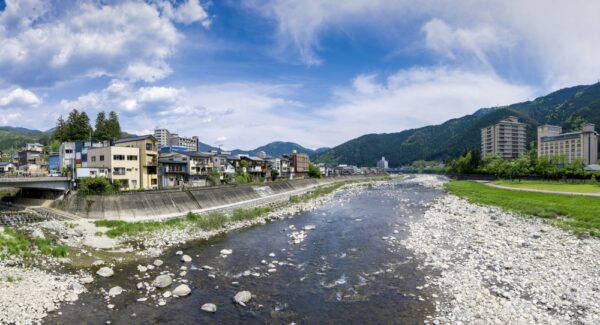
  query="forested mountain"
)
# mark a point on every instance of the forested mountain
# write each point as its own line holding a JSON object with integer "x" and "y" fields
{"x": 12, "y": 138}
{"x": 568, "y": 107}
{"x": 276, "y": 149}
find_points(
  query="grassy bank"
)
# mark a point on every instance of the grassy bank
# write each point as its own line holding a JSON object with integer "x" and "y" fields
{"x": 575, "y": 213}
{"x": 213, "y": 220}
{"x": 552, "y": 186}
{"x": 13, "y": 243}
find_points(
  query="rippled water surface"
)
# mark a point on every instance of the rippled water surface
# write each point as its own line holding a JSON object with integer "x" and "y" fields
{"x": 343, "y": 272}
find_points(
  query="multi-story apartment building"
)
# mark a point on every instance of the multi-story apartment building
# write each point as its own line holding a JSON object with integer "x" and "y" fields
{"x": 148, "y": 162}
{"x": 162, "y": 137}
{"x": 572, "y": 145}
{"x": 123, "y": 164}
{"x": 299, "y": 164}
{"x": 190, "y": 144}
{"x": 505, "y": 138}
{"x": 31, "y": 158}
{"x": 382, "y": 164}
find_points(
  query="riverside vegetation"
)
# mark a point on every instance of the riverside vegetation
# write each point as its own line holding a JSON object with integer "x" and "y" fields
{"x": 575, "y": 213}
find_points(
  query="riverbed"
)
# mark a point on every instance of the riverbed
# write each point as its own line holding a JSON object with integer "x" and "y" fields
{"x": 337, "y": 264}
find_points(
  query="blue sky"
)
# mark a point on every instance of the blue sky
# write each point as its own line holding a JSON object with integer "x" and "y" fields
{"x": 319, "y": 73}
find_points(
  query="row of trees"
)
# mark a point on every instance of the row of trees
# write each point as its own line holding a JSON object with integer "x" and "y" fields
{"x": 77, "y": 127}
{"x": 551, "y": 167}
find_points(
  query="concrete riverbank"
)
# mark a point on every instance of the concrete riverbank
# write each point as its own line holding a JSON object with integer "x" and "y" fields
{"x": 152, "y": 205}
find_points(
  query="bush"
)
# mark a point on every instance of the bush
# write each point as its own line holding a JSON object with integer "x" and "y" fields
{"x": 95, "y": 186}
{"x": 314, "y": 171}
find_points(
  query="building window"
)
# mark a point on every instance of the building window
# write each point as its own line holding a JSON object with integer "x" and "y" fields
{"x": 101, "y": 157}
{"x": 132, "y": 157}
{"x": 93, "y": 158}
{"x": 118, "y": 157}
{"x": 119, "y": 171}
{"x": 149, "y": 146}
{"x": 68, "y": 150}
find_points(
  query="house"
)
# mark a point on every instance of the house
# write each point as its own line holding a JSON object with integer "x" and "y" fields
{"x": 148, "y": 162}
{"x": 66, "y": 154}
{"x": 81, "y": 151}
{"x": 172, "y": 169}
{"x": 199, "y": 167}
{"x": 31, "y": 159}
{"x": 86, "y": 172}
{"x": 7, "y": 167}
{"x": 122, "y": 163}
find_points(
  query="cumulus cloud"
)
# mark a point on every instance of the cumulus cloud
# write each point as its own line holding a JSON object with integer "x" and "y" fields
{"x": 19, "y": 97}
{"x": 42, "y": 45}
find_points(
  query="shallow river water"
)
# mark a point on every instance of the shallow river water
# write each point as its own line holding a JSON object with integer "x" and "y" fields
{"x": 343, "y": 272}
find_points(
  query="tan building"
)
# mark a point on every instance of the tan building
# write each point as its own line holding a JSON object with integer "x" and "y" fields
{"x": 581, "y": 144}
{"x": 123, "y": 164}
{"x": 148, "y": 158}
{"x": 505, "y": 138}
{"x": 299, "y": 164}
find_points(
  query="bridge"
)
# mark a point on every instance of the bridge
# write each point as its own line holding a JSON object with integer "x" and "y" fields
{"x": 40, "y": 183}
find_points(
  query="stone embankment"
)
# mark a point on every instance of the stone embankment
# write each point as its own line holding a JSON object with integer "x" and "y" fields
{"x": 495, "y": 267}
{"x": 171, "y": 203}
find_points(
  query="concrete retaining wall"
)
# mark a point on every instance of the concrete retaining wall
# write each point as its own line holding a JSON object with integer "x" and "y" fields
{"x": 160, "y": 204}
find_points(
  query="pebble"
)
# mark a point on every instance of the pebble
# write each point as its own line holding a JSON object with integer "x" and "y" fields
{"x": 157, "y": 262}
{"x": 226, "y": 251}
{"x": 186, "y": 258}
{"x": 115, "y": 291}
{"x": 182, "y": 290}
{"x": 162, "y": 281}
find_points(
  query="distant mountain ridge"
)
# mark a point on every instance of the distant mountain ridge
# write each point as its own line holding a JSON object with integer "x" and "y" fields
{"x": 12, "y": 138}
{"x": 567, "y": 107}
{"x": 278, "y": 148}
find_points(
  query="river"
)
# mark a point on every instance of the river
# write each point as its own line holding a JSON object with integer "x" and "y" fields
{"x": 345, "y": 271}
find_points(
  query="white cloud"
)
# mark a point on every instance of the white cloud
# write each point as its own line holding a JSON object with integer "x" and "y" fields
{"x": 19, "y": 97}
{"x": 413, "y": 98}
{"x": 42, "y": 45}
{"x": 554, "y": 42}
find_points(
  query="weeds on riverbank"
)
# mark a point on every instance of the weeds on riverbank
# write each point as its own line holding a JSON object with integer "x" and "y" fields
{"x": 210, "y": 221}
{"x": 13, "y": 243}
{"x": 579, "y": 214}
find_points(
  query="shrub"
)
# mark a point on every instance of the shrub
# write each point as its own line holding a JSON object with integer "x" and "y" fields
{"x": 95, "y": 186}
{"x": 314, "y": 171}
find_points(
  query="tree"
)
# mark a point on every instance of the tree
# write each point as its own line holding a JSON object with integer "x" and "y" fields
{"x": 60, "y": 132}
{"x": 77, "y": 127}
{"x": 314, "y": 171}
{"x": 102, "y": 132}
{"x": 113, "y": 126}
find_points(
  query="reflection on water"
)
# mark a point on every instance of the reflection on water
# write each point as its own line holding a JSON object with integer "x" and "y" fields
{"x": 343, "y": 271}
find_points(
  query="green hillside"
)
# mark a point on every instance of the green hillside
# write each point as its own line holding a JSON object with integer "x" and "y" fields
{"x": 12, "y": 138}
{"x": 567, "y": 107}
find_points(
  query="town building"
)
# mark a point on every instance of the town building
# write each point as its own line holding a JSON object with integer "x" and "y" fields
{"x": 54, "y": 164}
{"x": 122, "y": 163}
{"x": 66, "y": 156}
{"x": 162, "y": 137}
{"x": 7, "y": 167}
{"x": 190, "y": 144}
{"x": 505, "y": 138}
{"x": 172, "y": 169}
{"x": 382, "y": 164}
{"x": 572, "y": 145}
{"x": 299, "y": 163}
{"x": 31, "y": 159}
{"x": 199, "y": 167}
{"x": 148, "y": 162}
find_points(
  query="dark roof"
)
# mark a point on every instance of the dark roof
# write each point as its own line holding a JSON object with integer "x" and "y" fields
{"x": 5, "y": 163}
{"x": 138, "y": 138}
{"x": 195, "y": 154}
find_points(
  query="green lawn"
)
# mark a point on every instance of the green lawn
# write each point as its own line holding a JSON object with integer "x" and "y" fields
{"x": 552, "y": 186}
{"x": 576, "y": 213}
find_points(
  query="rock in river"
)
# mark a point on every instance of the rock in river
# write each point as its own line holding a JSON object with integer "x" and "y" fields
{"x": 182, "y": 290}
{"x": 186, "y": 258}
{"x": 162, "y": 281}
{"x": 158, "y": 262}
{"x": 242, "y": 297}
{"x": 115, "y": 291}
{"x": 105, "y": 272}
{"x": 226, "y": 252}
{"x": 208, "y": 307}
